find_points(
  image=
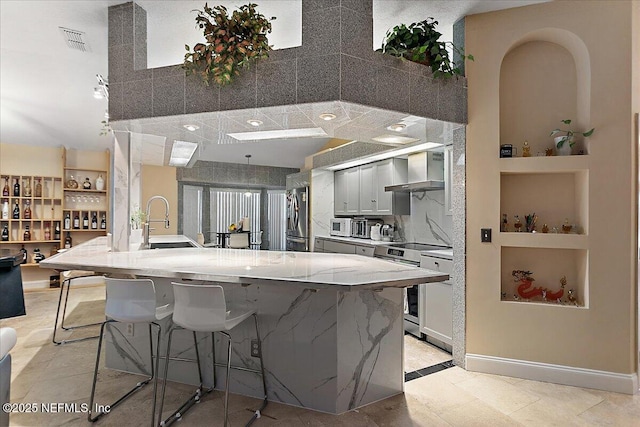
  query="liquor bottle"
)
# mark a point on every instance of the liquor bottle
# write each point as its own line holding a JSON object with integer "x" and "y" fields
{"x": 26, "y": 191}
{"x": 38, "y": 188}
{"x": 16, "y": 188}
{"x": 24, "y": 255}
{"x": 67, "y": 241}
{"x": 94, "y": 221}
{"x": 103, "y": 223}
{"x": 67, "y": 221}
{"x": 100, "y": 183}
{"x": 85, "y": 221}
{"x": 76, "y": 221}
{"x": 16, "y": 211}
{"x": 37, "y": 255}
{"x": 56, "y": 232}
{"x": 27, "y": 234}
{"x": 27, "y": 210}
{"x": 47, "y": 233}
{"x": 5, "y": 209}
{"x": 5, "y": 233}
{"x": 5, "y": 189}
{"x": 86, "y": 184}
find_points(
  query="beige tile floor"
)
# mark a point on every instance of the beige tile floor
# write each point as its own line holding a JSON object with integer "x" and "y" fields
{"x": 43, "y": 372}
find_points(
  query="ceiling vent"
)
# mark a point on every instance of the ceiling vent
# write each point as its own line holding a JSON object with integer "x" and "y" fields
{"x": 74, "y": 39}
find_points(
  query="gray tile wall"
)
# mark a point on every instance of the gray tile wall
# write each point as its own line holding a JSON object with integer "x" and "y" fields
{"x": 335, "y": 62}
{"x": 235, "y": 175}
{"x": 458, "y": 203}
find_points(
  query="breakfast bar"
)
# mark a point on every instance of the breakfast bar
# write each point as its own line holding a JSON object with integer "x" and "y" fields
{"x": 331, "y": 324}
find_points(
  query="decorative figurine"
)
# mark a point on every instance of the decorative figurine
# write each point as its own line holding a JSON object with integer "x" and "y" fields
{"x": 526, "y": 281}
{"x": 566, "y": 227}
{"x": 548, "y": 152}
{"x": 526, "y": 150}
{"x": 557, "y": 295}
{"x": 504, "y": 225}
{"x": 545, "y": 228}
{"x": 516, "y": 223}
{"x": 572, "y": 297}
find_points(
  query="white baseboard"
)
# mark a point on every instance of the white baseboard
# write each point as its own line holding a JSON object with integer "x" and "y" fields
{"x": 558, "y": 374}
{"x": 35, "y": 284}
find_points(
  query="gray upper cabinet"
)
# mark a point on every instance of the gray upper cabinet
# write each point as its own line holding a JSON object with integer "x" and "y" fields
{"x": 360, "y": 190}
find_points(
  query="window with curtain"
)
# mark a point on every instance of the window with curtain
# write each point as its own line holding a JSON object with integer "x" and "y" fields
{"x": 192, "y": 211}
{"x": 228, "y": 206}
{"x": 277, "y": 219}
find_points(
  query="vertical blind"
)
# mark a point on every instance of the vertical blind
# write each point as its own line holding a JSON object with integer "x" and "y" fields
{"x": 277, "y": 219}
{"x": 229, "y": 206}
{"x": 192, "y": 211}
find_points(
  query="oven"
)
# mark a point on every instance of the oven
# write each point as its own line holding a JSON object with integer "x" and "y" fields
{"x": 409, "y": 254}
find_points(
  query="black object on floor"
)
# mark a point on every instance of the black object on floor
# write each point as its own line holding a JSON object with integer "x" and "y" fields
{"x": 428, "y": 370}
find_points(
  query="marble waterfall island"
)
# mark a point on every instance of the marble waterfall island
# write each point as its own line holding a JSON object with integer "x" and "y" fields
{"x": 331, "y": 324}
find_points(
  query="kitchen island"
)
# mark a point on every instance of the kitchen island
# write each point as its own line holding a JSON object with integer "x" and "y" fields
{"x": 331, "y": 324}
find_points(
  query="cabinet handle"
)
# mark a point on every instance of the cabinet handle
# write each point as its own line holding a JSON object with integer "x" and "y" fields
{"x": 373, "y": 201}
{"x": 436, "y": 263}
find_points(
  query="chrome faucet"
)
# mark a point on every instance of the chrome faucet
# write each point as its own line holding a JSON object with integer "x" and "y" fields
{"x": 148, "y": 220}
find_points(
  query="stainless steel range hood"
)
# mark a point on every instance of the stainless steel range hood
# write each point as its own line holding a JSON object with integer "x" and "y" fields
{"x": 426, "y": 173}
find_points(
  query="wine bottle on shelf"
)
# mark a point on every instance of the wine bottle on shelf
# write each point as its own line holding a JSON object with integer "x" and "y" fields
{"x": 38, "y": 187}
{"x": 27, "y": 233}
{"x": 16, "y": 211}
{"x": 76, "y": 221}
{"x": 27, "y": 188}
{"x": 67, "y": 241}
{"x": 67, "y": 221}
{"x": 94, "y": 221}
{"x": 5, "y": 189}
{"x": 5, "y": 233}
{"x": 27, "y": 210}
{"x": 16, "y": 188}
{"x": 56, "y": 232}
{"x": 24, "y": 255}
{"x": 47, "y": 233}
{"x": 85, "y": 221}
{"x": 103, "y": 222}
{"x": 5, "y": 209}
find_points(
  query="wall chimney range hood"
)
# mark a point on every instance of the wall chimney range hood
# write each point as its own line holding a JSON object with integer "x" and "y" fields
{"x": 426, "y": 173}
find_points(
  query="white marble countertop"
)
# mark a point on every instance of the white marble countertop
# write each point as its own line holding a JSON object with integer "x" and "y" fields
{"x": 365, "y": 242}
{"x": 314, "y": 270}
{"x": 440, "y": 253}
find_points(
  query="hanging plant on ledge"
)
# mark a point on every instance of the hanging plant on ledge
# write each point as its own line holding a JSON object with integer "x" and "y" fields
{"x": 419, "y": 42}
{"x": 231, "y": 42}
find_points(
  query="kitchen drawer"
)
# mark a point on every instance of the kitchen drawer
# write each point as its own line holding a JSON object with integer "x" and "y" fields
{"x": 318, "y": 245}
{"x": 436, "y": 264}
{"x": 339, "y": 248}
{"x": 364, "y": 250}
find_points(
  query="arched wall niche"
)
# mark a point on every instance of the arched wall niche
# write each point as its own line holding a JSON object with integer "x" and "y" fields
{"x": 545, "y": 77}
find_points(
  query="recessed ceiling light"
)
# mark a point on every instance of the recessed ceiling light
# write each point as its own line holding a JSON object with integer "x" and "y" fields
{"x": 254, "y": 122}
{"x": 327, "y": 116}
{"x": 397, "y": 127}
{"x": 192, "y": 128}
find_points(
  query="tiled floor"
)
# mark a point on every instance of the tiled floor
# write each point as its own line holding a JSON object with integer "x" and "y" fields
{"x": 43, "y": 372}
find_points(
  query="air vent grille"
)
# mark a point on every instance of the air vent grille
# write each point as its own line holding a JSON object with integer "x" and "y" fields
{"x": 74, "y": 39}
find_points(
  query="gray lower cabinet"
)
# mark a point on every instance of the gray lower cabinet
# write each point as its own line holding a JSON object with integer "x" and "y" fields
{"x": 436, "y": 319}
{"x": 336, "y": 247}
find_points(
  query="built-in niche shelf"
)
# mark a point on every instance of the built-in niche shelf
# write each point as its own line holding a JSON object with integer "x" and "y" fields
{"x": 548, "y": 266}
{"x": 545, "y": 240}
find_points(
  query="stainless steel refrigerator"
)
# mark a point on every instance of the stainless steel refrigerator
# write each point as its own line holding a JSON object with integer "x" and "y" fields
{"x": 298, "y": 219}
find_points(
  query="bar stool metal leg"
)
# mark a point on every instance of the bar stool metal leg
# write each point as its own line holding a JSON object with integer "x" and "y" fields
{"x": 64, "y": 311}
{"x": 137, "y": 387}
{"x": 195, "y": 397}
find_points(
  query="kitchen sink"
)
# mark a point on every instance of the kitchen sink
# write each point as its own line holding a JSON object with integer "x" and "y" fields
{"x": 171, "y": 245}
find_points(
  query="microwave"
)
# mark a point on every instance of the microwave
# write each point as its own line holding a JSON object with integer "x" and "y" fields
{"x": 340, "y": 227}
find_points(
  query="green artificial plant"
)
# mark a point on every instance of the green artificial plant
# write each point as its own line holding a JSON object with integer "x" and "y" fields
{"x": 568, "y": 134}
{"x": 420, "y": 42}
{"x": 231, "y": 42}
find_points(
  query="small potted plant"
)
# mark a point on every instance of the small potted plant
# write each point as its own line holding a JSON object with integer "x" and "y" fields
{"x": 566, "y": 141}
{"x": 420, "y": 42}
{"x": 231, "y": 42}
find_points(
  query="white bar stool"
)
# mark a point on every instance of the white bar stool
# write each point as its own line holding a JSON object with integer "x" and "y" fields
{"x": 203, "y": 308}
{"x": 132, "y": 301}
{"x": 69, "y": 276}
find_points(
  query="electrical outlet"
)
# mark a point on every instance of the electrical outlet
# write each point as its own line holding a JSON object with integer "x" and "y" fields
{"x": 255, "y": 348}
{"x": 129, "y": 330}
